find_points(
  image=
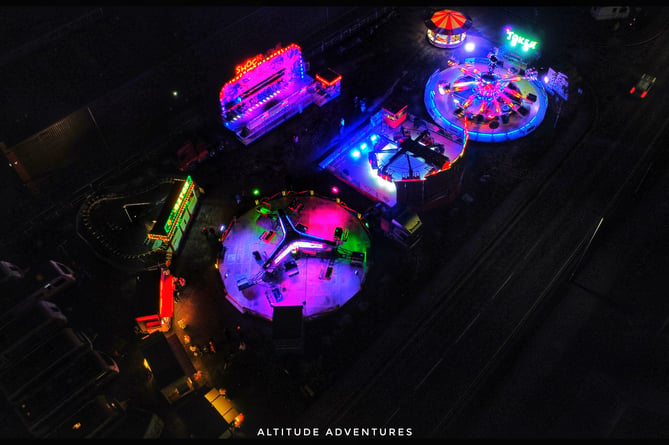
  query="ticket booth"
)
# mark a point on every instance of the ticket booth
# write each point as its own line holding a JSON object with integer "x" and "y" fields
{"x": 394, "y": 112}
{"x": 329, "y": 86}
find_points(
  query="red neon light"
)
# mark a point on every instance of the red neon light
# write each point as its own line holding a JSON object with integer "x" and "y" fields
{"x": 184, "y": 204}
{"x": 248, "y": 65}
{"x": 328, "y": 83}
{"x": 166, "y": 308}
{"x": 260, "y": 62}
{"x": 644, "y": 94}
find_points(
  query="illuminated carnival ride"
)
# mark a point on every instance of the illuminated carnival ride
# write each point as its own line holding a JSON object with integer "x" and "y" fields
{"x": 447, "y": 28}
{"x": 487, "y": 101}
{"x": 399, "y": 158}
{"x": 294, "y": 249}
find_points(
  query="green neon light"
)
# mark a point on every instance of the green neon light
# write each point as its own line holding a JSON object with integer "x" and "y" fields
{"x": 179, "y": 205}
{"x": 516, "y": 39}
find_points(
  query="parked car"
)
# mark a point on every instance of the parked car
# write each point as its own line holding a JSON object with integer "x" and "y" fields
{"x": 191, "y": 154}
{"x": 643, "y": 86}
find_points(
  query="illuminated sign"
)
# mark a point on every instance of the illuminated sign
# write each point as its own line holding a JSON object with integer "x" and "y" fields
{"x": 251, "y": 64}
{"x": 248, "y": 65}
{"x": 328, "y": 83}
{"x": 177, "y": 212}
{"x": 516, "y": 39}
{"x": 166, "y": 302}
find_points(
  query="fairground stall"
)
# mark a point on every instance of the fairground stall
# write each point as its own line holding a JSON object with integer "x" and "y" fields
{"x": 268, "y": 89}
{"x": 154, "y": 300}
{"x": 518, "y": 51}
{"x": 177, "y": 212}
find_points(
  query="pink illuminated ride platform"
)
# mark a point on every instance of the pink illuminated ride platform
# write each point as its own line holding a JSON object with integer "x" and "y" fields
{"x": 269, "y": 89}
{"x": 291, "y": 250}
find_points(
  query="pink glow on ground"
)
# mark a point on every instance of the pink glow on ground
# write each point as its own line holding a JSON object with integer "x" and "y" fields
{"x": 323, "y": 222}
{"x": 250, "y": 289}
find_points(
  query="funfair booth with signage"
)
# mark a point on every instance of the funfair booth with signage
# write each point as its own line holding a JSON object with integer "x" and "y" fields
{"x": 172, "y": 222}
{"x": 269, "y": 89}
{"x": 154, "y": 300}
{"x": 518, "y": 51}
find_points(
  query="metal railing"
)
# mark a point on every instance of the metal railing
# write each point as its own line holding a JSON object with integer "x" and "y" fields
{"x": 330, "y": 40}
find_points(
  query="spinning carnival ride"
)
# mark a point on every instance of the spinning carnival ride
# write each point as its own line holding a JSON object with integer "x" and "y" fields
{"x": 490, "y": 103}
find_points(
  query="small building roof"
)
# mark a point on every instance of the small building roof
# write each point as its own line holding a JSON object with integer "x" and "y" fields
{"x": 393, "y": 105}
{"x": 168, "y": 361}
{"x": 147, "y": 293}
{"x": 288, "y": 328}
{"x": 166, "y": 210}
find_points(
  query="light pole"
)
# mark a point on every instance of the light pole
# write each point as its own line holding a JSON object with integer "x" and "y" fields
{"x": 558, "y": 112}
{"x": 104, "y": 140}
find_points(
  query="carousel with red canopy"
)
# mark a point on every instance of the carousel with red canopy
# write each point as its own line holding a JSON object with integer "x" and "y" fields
{"x": 447, "y": 28}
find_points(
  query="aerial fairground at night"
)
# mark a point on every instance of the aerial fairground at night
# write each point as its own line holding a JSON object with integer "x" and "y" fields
{"x": 334, "y": 221}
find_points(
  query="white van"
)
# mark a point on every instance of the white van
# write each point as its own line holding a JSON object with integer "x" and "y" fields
{"x": 49, "y": 278}
{"x": 609, "y": 12}
{"x": 9, "y": 272}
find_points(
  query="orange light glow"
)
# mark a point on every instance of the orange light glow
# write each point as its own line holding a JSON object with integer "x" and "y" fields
{"x": 239, "y": 419}
{"x": 328, "y": 83}
{"x": 248, "y": 65}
